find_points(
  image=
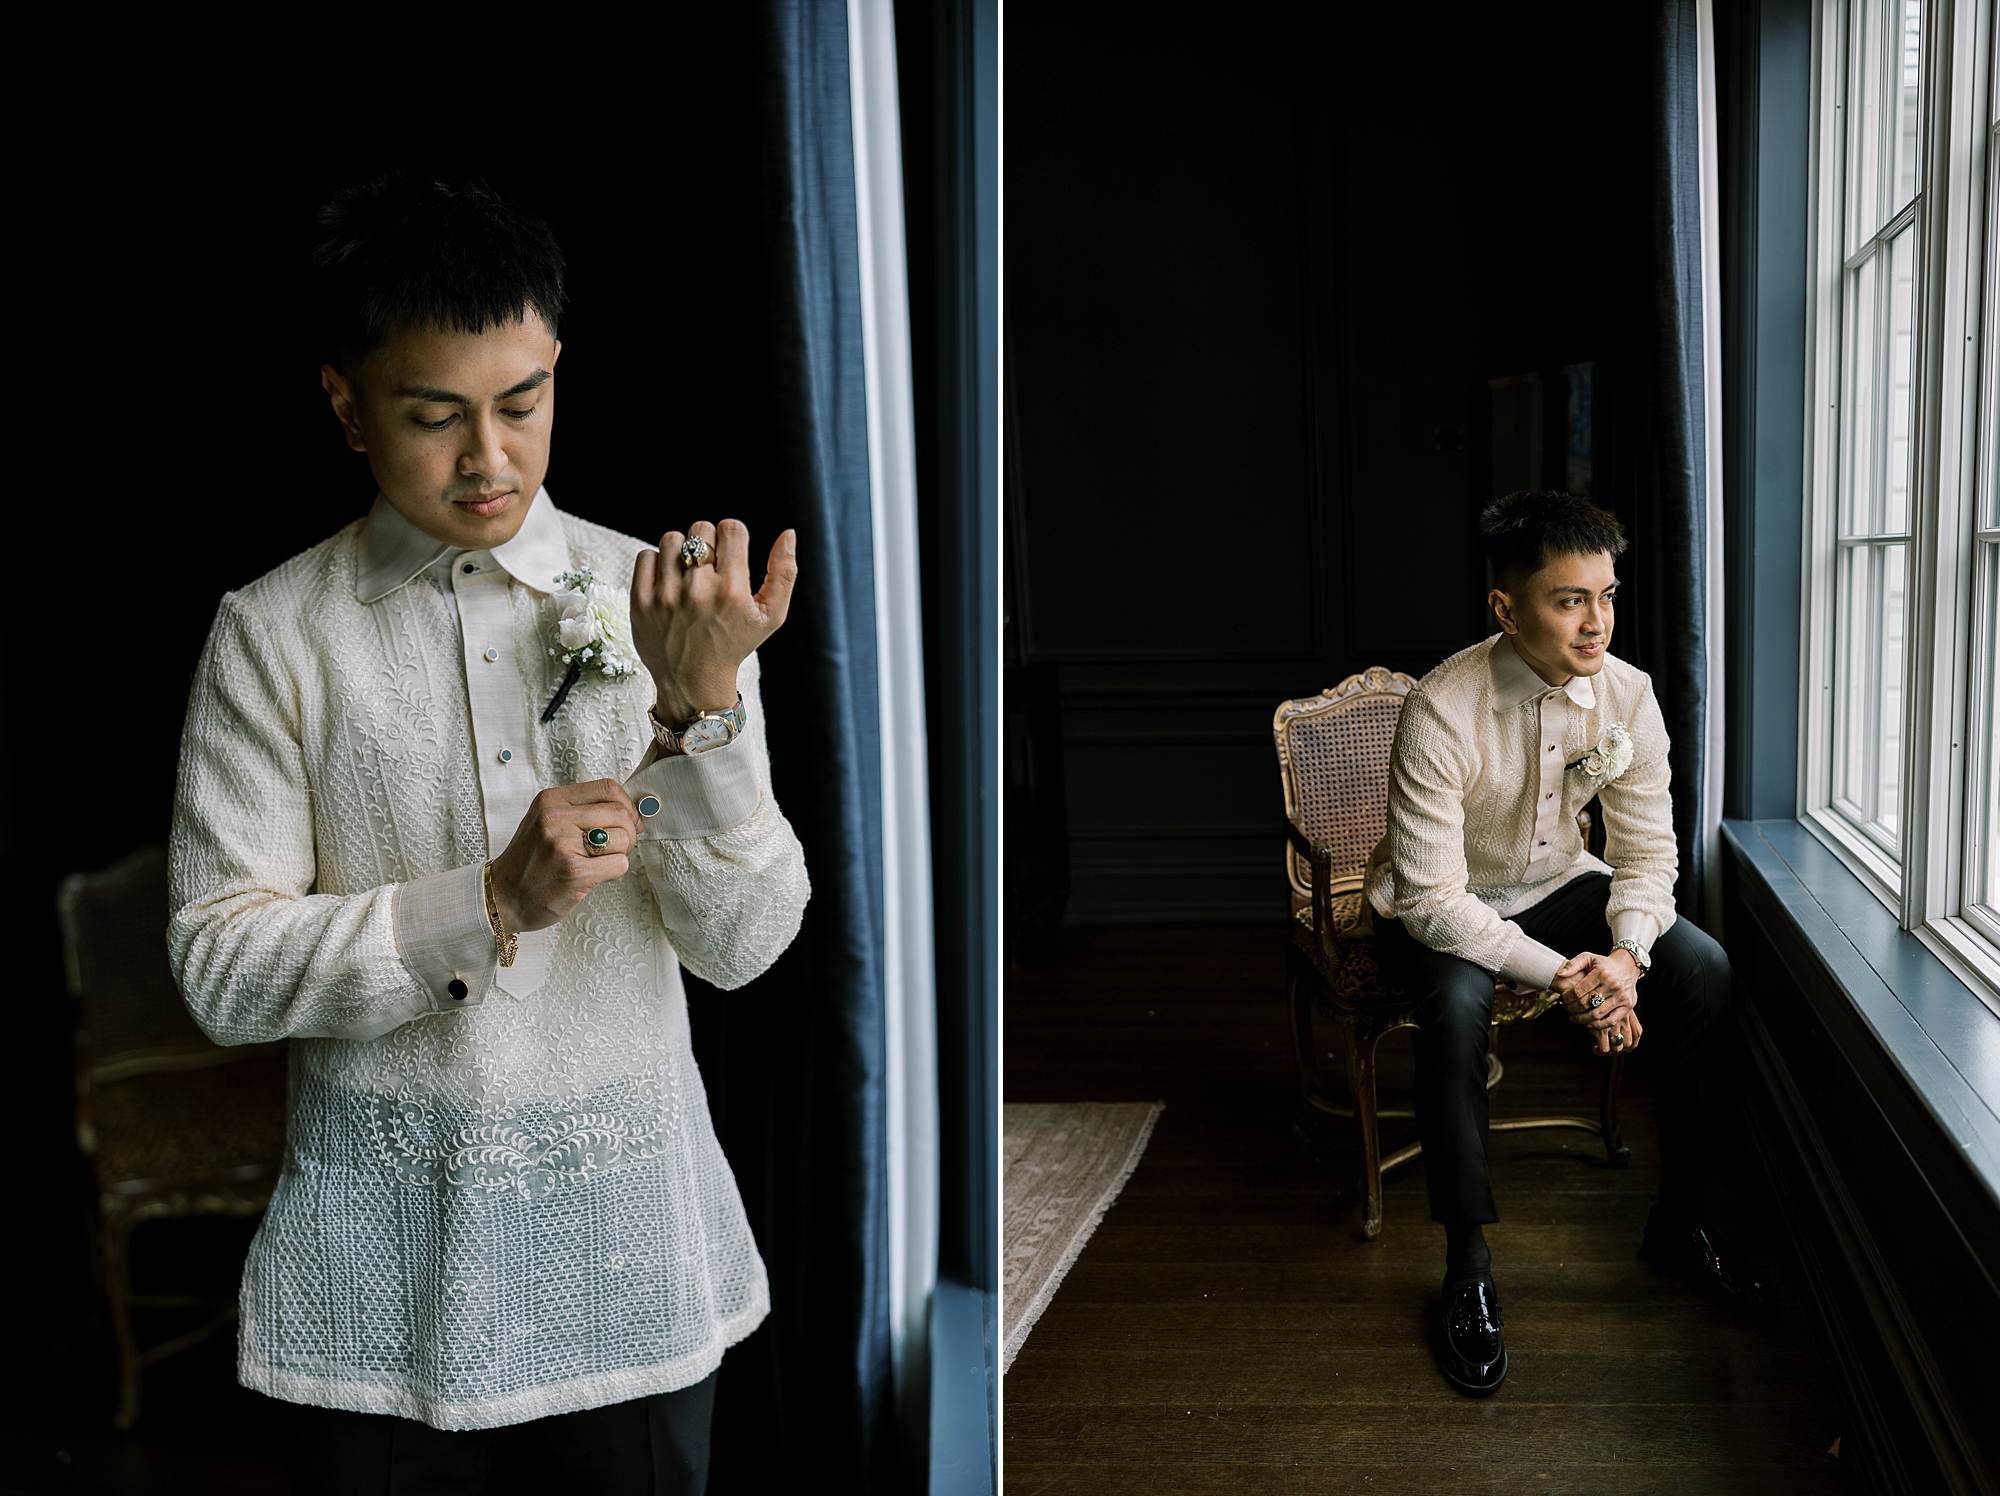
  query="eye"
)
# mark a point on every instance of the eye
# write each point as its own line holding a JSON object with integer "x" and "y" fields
{"x": 435, "y": 425}
{"x": 519, "y": 415}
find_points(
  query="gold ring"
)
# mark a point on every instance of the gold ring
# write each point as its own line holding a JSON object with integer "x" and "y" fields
{"x": 1618, "y": 1038}
{"x": 694, "y": 551}
{"x": 596, "y": 839}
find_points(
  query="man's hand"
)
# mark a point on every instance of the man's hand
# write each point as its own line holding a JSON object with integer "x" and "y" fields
{"x": 549, "y": 866}
{"x": 1616, "y": 979}
{"x": 694, "y": 625}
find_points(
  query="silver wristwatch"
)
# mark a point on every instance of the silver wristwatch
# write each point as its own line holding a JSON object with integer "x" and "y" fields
{"x": 707, "y": 730}
{"x": 1639, "y": 956}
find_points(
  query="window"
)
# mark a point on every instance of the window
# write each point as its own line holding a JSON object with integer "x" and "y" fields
{"x": 1902, "y": 762}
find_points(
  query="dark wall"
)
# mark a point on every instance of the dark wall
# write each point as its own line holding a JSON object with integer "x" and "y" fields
{"x": 1260, "y": 269}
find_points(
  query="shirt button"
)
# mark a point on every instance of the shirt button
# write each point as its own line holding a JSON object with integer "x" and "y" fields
{"x": 1552, "y": 747}
{"x": 506, "y": 755}
{"x": 492, "y": 654}
{"x": 1550, "y": 795}
{"x": 468, "y": 568}
{"x": 457, "y": 989}
{"x": 1543, "y": 844}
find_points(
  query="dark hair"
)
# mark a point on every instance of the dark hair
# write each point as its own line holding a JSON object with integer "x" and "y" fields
{"x": 408, "y": 251}
{"x": 1523, "y": 532}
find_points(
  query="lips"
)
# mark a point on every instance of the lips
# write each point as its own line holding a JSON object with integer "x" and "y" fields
{"x": 484, "y": 504}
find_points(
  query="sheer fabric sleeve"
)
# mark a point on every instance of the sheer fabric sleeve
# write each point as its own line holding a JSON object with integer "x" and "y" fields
{"x": 725, "y": 867}
{"x": 259, "y": 956}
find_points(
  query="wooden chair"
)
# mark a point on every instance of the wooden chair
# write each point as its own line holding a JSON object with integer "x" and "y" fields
{"x": 170, "y": 1124}
{"x": 1333, "y": 755}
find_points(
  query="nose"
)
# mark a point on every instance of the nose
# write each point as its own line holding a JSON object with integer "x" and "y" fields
{"x": 483, "y": 456}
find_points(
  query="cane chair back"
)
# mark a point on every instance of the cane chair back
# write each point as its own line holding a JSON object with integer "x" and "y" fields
{"x": 1333, "y": 754}
{"x": 170, "y": 1123}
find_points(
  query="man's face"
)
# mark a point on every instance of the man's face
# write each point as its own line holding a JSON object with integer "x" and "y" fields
{"x": 1561, "y": 617}
{"x": 456, "y": 425}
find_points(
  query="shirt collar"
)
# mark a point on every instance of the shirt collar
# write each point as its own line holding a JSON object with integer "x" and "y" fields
{"x": 393, "y": 550}
{"x": 1515, "y": 684}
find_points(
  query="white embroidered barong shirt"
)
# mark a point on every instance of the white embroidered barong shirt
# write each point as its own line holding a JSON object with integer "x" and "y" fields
{"x": 1483, "y": 803}
{"x": 509, "y": 1204}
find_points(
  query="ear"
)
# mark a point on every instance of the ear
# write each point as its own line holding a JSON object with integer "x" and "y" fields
{"x": 341, "y": 393}
{"x": 1503, "y": 609}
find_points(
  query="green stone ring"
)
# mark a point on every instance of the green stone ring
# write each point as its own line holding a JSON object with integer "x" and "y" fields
{"x": 597, "y": 837}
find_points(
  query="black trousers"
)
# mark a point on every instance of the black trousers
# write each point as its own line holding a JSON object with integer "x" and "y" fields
{"x": 651, "y": 1446}
{"x": 1680, "y": 1003}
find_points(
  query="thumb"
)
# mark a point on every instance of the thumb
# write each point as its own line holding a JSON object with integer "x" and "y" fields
{"x": 782, "y": 571}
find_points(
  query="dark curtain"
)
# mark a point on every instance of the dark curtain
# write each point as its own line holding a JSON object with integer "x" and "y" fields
{"x": 794, "y": 1062}
{"x": 1672, "y": 543}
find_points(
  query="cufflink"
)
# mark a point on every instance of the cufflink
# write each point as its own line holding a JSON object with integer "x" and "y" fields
{"x": 649, "y": 806}
{"x": 457, "y": 989}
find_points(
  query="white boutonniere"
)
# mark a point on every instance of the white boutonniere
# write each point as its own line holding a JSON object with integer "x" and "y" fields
{"x": 1611, "y": 757}
{"x": 593, "y": 630}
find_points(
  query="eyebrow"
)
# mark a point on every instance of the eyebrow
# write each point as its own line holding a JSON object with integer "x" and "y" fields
{"x": 1586, "y": 591}
{"x": 431, "y": 394}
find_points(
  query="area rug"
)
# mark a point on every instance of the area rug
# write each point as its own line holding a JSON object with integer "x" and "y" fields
{"x": 1064, "y": 1164}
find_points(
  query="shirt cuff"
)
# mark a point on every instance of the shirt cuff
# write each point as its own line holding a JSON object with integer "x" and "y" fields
{"x": 1636, "y": 926}
{"x": 696, "y": 794}
{"x": 444, "y": 937}
{"x": 1531, "y": 964}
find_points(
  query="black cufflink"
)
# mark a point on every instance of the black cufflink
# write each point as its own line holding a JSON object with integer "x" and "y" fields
{"x": 457, "y": 989}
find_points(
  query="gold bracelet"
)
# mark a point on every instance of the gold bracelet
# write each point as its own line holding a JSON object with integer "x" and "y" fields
{"x": 503, "y": 943}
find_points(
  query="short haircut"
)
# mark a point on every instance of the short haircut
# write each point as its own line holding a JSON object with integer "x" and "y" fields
{"x": 408, "y": 251}
{"x": 1525, "y": 531}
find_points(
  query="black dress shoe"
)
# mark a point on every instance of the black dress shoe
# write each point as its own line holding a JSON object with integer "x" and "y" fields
{"x": 1469, "y": 1349}
{"x": 1691, "y": 1254}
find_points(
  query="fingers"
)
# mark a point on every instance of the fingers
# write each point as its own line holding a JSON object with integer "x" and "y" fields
{"x": 781, "y": 572}
{"x": 732, "y": 556}
{"x": 590, "y": 792}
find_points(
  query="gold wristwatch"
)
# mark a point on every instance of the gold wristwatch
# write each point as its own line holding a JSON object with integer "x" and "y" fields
{"x": 707, "y": 730}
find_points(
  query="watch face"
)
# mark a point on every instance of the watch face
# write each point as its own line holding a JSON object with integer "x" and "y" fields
{"x": 704, "y": 734}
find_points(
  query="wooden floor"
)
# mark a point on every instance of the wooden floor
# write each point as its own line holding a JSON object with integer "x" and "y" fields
{"x": 1226, "y": 1331}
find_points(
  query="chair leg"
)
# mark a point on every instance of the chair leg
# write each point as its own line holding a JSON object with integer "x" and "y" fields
{"x": 1359, "y": 1052}
{"x": 1607, "y": 1114}
{"x": 1300, "y": 989}
{"x": 117, "y": 1236}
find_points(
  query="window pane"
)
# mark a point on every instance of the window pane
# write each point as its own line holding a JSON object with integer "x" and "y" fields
{"x": 1861, "y": 317}
{"x": 1983, "y": 873}
{"x": 1868, "y": 689}
{"x": 1864, "y": 121}
{"x": 1908, "y": 74}
{"x": 1895, "y": 508}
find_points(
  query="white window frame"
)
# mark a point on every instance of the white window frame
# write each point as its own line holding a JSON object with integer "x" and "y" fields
{"x": 1953, "y": 368}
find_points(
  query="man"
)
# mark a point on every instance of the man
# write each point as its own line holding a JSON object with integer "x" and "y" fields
{"x": 1484, "y": 872}
{"x": 465, "y": 896}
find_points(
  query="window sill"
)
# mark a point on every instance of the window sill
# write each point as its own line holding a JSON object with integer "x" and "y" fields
{"x": 1935, "y": 1029}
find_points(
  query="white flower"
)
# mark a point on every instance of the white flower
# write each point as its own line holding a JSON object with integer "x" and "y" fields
{"x": 1611, "y": 756}
{"x": 592, "y": 626}
{"x": 1616, "y": 746}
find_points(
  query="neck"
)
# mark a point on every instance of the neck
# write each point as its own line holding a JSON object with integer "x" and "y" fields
{"x": 1549, "y": 674}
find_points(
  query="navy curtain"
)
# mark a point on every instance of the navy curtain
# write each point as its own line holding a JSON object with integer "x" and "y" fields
{"x": 794, "y": 1062}
{"x": 1672, "y": 539}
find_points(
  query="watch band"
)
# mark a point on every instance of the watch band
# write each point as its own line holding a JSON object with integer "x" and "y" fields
{"x": 671, "y": 739}
{"x": 1645, "y": 966}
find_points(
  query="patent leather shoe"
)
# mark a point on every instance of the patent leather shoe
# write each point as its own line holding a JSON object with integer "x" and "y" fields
{"x": 1691, "y": 1254}
{"x": 1469, "y": 1348}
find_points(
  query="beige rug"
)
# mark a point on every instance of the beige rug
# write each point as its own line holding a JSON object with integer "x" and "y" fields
{"x": 1063, "y": 1166}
